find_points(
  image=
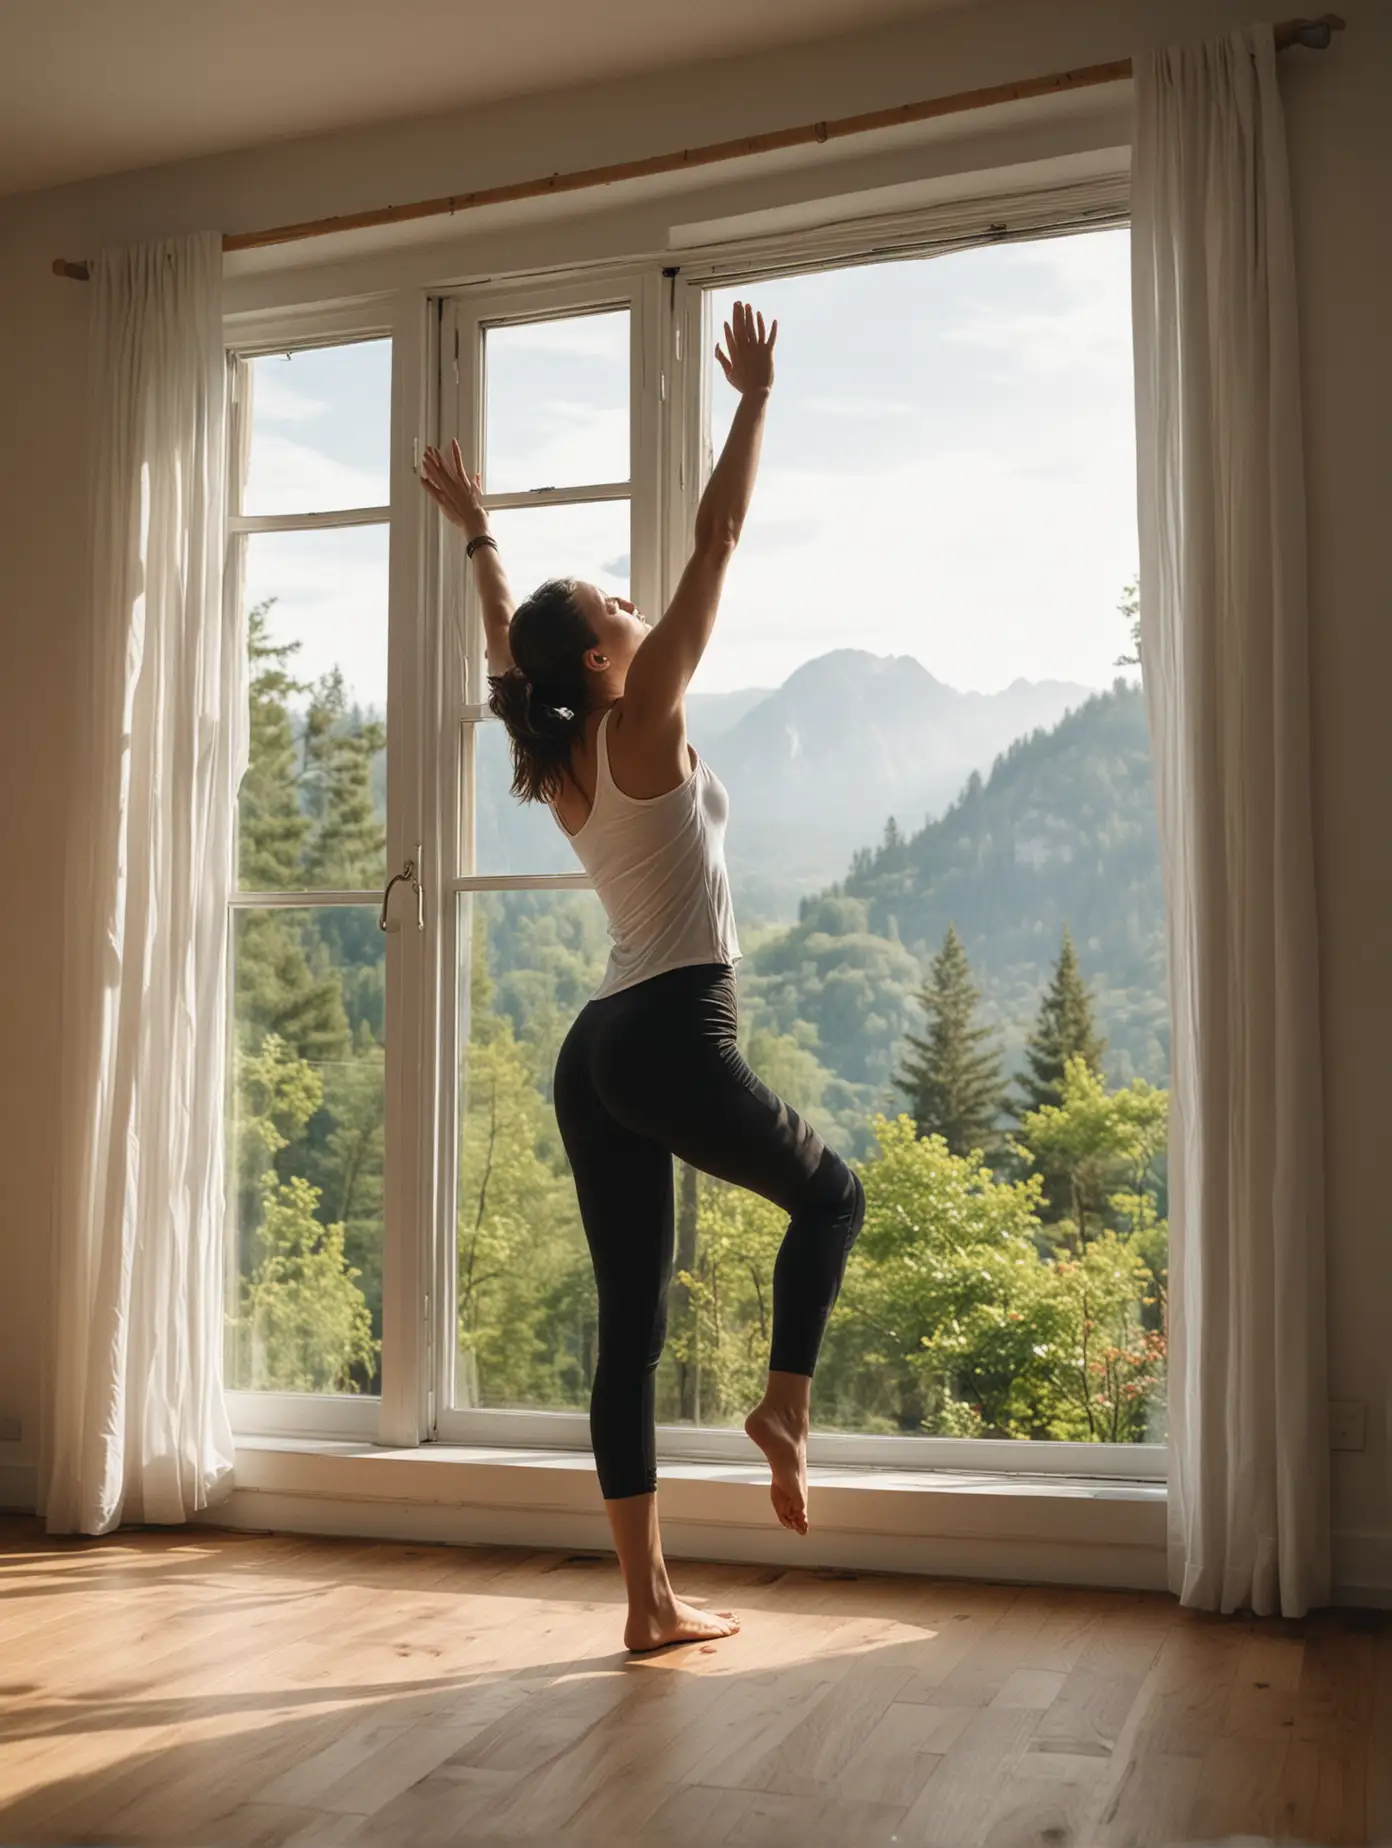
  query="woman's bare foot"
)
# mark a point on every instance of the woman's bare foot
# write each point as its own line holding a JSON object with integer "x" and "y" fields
{"x": 780, "y": 1431}
{"x": 672, "y": 1621}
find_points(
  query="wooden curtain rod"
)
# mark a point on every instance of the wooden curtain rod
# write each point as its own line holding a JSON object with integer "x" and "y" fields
{"x": 1314, "y": 34}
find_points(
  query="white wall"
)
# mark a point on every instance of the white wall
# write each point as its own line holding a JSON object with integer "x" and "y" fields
{"x": 1342, "y": 162}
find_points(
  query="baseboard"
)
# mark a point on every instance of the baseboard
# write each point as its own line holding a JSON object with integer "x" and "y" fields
{"x": 19, "y": 1488}
{"x": 1363, "y": 1569}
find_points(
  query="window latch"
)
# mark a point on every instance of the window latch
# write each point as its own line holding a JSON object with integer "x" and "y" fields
{"x": 409, "y": 875}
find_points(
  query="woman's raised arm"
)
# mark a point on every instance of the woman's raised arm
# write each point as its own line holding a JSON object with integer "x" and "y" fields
{"x": 460, "y": 499}
{"x": 669, "y": 655}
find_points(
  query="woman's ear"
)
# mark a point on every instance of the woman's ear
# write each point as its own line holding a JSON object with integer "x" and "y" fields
{"x": 596, "y": 660}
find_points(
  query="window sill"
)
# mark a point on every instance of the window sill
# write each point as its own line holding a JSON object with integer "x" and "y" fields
{"x": 1039, "y": 1528}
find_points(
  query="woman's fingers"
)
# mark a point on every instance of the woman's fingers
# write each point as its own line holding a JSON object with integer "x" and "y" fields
{"x": 746, "y": 327}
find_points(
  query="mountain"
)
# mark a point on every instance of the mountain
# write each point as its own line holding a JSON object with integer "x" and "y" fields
{"x": 847, "y": 741}
{"x": 1062, "y": 831}
{"x": 710, "y": 715}
{"x": 814, "y": 769}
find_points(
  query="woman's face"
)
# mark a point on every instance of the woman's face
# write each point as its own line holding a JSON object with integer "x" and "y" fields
{"x": 617, "y": 625}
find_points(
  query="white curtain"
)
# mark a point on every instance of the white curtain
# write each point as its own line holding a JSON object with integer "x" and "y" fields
{"x": 1225, "y": 646}
{"x": 138, "y": 1429}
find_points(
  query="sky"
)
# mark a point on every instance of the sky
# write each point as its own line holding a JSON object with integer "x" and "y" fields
{"x": 948, "y": 471}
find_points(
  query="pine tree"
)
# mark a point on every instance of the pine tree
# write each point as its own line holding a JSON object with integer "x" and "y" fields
{"x": 348, "y": 850}
{"x": 271, "y": 827}
{"x": 1130, "y": 608}
{"x": 278, "y": 991}
{"x": 954, "y": 1079}
{"x": 1064, "y": 1030}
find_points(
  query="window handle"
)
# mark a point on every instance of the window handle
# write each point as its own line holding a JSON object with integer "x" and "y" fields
{"x": 407, "y": 876}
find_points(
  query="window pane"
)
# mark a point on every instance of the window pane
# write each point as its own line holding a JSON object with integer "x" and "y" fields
{"x": 526, "y": 1326}
{"x": 312, "y": 809}
{"x": 913, "y": 696}
{"x": 304, "y": 1307}
{"x": 590, "y": 542}
{"x": 320, "y": 429}
{"x": 557, "y": 397}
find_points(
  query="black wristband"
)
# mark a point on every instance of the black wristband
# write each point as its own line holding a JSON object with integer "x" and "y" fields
{"x": 477, "y": 541}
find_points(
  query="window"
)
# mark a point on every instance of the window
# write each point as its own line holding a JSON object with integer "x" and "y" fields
{"x": 306, "y": 1153}
{"x": 939, "y": 775}
{"x": 544, "y": 392}
{"x": 922, "y": 696}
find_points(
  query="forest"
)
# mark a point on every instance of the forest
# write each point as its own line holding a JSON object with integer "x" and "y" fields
{"x": 974, "y": 1014}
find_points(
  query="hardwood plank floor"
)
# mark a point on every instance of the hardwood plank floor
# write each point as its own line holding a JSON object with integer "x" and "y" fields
{"x": 266, "y": 1691}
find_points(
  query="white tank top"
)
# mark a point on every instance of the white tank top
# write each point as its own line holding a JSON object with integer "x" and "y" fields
{"x": 658, "y": 865}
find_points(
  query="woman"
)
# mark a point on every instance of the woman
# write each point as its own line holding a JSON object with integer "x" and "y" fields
{"x": 593, "y": 700}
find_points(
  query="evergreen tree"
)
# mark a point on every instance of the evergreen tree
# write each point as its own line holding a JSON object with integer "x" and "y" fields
{"x": 954, "y": 1078}
{"x": 1064, "y": 1030}
{"x": 1130, "y": 608}
{"x": 272, "y": 829}
{"x": 349, "y": 844}
{"x": 278, "y": 991}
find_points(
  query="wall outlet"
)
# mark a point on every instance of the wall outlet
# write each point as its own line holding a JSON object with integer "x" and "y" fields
{"x": 11, "y": 1430}
{"x": 1348, "y": 1424}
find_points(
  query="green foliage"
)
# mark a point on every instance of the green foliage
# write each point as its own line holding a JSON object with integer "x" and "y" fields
{"x": 953, "y": 1077}
{"x": 346, "y": 849}
{"x": 525, "y": 1292}
{"x": 307, "y": 1043}
{"x": 302, "y": 1324}
{"x": 967, "y": 1327}
{"x": 730, "y": 1289}
{"x": 1130, "y": 608}
{"x": 1062, "y": 832}
{"x": 1063, "y": 1031}
{"x": 1018, "y": 1293}
{"x": 273, "y": 829}
{"x": 1101, "y": 1145}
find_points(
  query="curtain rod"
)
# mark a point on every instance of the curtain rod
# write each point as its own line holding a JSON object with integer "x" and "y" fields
{"x": 1314, "y": 34}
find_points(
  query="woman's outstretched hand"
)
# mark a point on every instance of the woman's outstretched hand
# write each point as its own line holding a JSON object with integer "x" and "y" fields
{"x": 747, "y": 356}
{"x": 458, "y": 497}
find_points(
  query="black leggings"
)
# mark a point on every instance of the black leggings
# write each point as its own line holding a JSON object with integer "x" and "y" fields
{"x": 653, "y": 1072}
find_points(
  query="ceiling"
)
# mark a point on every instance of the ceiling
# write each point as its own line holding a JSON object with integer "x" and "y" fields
{"x": 101, "y": 86}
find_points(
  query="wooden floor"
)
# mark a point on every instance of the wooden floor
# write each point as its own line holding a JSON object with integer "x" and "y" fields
{"x": 257, "y": 1692}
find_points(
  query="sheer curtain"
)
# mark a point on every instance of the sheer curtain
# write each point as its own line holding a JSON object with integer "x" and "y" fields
{"x": 138, "y": 1428}
{"x": 1225, "y": 648}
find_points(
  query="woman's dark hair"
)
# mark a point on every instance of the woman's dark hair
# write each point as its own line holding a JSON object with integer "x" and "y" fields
{"x": 542, "y": 697}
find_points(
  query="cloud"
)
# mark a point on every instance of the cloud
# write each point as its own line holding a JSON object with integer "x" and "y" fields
{"x": 561, "y": 443}
{"x": 592, "y": 336}
{"x": 1085, "y": 318}
{"x": 330, "y": 591}
{"x": 276, "y": 401}
{"x": 857, "y": 407}
{"x": 285, "y": 476}
{"x": 985, "y": 571}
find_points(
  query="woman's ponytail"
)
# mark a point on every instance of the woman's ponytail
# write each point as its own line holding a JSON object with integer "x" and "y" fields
{"x": 541, "y": 699}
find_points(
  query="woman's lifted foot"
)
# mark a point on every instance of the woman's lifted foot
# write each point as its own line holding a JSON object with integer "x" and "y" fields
{"x": 778, "y": 1425}
{"x": 672, "y": 1621}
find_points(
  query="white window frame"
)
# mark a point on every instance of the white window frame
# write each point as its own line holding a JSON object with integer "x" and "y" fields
{"x": 399, "y": 1414}
{"x": 429, "y": 677}
{"x": 466, "y": 314}
{"x": 670, "y": 335}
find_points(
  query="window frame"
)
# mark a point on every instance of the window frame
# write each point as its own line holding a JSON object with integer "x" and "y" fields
{"x": 396, "y": 1414}
{"x": 466, "y": 314}
{"x": 429, "y": 673}
{"x": 668, "y": 359}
